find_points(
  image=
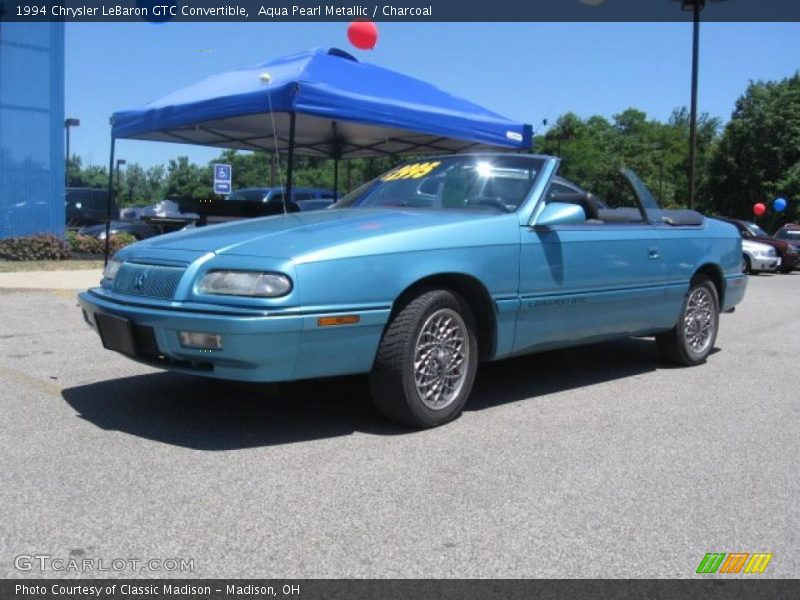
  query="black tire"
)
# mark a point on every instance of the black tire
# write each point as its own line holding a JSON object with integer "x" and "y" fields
{"x": 394, "y": 379}
{"x": 677, "y": 345}
{"x": 746, "y": 264}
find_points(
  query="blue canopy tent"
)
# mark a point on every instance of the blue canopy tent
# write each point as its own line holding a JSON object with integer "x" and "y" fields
{"x": 321, "y": 103}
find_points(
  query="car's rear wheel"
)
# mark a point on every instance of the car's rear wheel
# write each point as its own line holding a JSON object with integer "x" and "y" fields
{"x": 426, "y": 361}
{"x": 692, "y": 339}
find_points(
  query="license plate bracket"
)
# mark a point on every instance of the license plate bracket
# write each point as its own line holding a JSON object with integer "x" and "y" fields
{"x": 116, "y": 333}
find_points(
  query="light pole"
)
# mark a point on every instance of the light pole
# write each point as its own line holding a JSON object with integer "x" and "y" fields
{"x": 695, "y": 6}
{"x": 67, "y": 124}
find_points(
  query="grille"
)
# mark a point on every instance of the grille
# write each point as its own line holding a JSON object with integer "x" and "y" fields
{"x": 155, "y": 281}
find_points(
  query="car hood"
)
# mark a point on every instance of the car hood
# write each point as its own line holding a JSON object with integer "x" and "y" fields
{"x": 300, "y": 234}
{"x": 753, "y": 246}
{"x": 777, "y": 244}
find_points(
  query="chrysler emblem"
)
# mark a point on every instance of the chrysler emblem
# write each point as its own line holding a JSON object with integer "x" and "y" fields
{"x": 138, "y": 283}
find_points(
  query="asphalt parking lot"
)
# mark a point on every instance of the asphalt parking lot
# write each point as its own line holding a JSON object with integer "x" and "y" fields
{"x": 594, "y": 462}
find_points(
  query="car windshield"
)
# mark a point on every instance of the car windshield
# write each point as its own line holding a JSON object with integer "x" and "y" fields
{"x": 789, "y": 234}
{"x": 491, "y": 183}
{"x": 756, "y": 230}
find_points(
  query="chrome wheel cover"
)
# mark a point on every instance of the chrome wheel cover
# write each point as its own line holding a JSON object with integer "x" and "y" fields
{"x": 441, "y": 359}
{"x": 700, "y": 320}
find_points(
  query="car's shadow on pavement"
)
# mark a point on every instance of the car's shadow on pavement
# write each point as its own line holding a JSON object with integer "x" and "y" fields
{"x": 207, "y": 414}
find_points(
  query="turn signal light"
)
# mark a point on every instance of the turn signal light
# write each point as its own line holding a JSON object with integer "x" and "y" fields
{"x": 340, "y": 320}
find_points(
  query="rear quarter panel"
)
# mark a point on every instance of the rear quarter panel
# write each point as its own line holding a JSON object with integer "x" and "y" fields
{"x": 685, "y": 250}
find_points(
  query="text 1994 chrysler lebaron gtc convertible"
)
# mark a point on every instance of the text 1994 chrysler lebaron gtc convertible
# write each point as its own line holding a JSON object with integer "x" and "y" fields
{"x": 416, "y": 277}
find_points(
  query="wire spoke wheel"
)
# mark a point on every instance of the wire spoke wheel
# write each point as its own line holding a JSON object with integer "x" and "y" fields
{"x": 700, "y": 320}
{"x": 441, "y": 357}
{"x": 426, "y": 362}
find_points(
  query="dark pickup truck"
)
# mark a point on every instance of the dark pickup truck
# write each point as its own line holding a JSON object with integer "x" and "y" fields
{"x": 246, "y": 203}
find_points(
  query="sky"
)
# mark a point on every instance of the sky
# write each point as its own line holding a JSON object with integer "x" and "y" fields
{"x": 524, "y": 71}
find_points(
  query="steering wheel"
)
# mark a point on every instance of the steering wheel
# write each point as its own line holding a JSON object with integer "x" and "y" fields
{"x": 492, "y": 201}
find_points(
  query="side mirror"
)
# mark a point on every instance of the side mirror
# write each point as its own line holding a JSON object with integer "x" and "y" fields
{"x": 561, "y": 213}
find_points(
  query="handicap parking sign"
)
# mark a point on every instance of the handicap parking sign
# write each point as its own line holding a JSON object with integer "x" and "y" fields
{"x": 222, "y": 179}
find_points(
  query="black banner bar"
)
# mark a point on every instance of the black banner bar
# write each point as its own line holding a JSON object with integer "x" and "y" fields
{"x": 395, "y": 10}
{"x": 403, "y": 589}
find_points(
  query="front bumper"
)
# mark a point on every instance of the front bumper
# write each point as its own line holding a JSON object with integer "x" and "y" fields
{"x": 789, "y": 261}
{"x": 255, "y": 347}
{"x": 765, "y": 264}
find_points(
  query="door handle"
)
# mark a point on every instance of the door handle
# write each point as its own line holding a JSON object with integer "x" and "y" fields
{"x": 653, "y": 253}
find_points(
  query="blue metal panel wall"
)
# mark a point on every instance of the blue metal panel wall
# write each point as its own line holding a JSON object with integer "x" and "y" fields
{"x": 31, "y": 128}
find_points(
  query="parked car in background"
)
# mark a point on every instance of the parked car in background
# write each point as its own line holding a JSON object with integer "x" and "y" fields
{"x": 245, "y": 203}
{"x": 418, "y": 276}
{"x": 87, "y": 206}
{"x": 758, "y": 257}
{"x": 138, "y": 229}
{"x": 302, "y": 198}
{"x": 789, "y": 233}
{"x": 788, "y": 253}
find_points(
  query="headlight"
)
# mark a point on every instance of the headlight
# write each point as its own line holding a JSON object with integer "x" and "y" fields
{"x": 111, "y": 269}
{"x": 245, "y": 283}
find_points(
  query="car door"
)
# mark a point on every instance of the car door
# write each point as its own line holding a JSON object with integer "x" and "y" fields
{"x": 590, "y": 280}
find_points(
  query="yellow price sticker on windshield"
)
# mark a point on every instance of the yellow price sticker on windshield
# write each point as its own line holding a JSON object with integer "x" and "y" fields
{"x": 412, "y": 171}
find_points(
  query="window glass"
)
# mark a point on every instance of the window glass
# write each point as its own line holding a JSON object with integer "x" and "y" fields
{"x": 247, "y": 195}
{"x": 486, "y": 183}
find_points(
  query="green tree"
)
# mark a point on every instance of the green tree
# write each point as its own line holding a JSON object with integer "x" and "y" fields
{"x": 593, "y": 151}
{"x": 187, "y": 180}
{"x": 140, "y": 186}
{"x": 156, "y": 182}
{"x": 134, "y": 189}
{"x": 758, "y": 157}
{"x": 93, "y": 176}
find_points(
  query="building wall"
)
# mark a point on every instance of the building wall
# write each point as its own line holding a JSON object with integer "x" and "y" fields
{"x": 31, "y": 128}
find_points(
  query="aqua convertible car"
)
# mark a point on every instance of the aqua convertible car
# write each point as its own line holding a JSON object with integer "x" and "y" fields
{"x": 418, "y": 276}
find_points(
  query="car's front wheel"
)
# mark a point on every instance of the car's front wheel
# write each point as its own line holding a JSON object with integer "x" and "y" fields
{"x": 426, "y": 361}
{"x": 692, "y": 339}
{"x": 746, "y": 265}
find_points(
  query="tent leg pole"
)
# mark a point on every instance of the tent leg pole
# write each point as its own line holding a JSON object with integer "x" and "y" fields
{"x": 109, "y": 200}
{"x": 335, "y": 179}
{"x": 289, "y": 167}
{"x": 335, "y": 149}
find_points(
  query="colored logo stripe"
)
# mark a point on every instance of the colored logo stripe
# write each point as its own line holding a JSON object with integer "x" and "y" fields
{"x": 758, "y": 562}
{"x": 734, "y": 562}
{"x": 711, "y": 562}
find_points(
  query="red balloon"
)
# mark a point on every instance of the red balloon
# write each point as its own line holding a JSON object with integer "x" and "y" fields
{"x": 759, "y": 209}
{"x": 363, "y": 34}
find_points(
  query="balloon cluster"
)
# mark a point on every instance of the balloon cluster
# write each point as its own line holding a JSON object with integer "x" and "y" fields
{"x": 779, "y": 205}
